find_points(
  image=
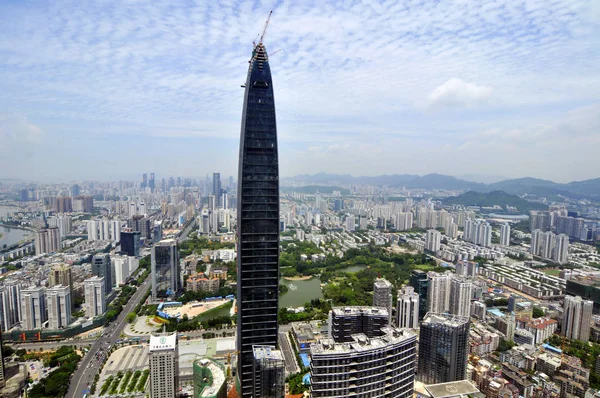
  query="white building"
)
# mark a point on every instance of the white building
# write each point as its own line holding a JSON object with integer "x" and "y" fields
{"x": 577, "y": 318}
{"x": 433, "y": 240}
{"x": 438, "y": 292}
{"x": 10, "y": 300}
{"x": 382, "y": 295}
{"x": 505, "y": 235}
{"x": 350, "y": 223}
{"x": 63, "y": 222}
{"x": 33, "y": 308}
{"x": 561, "y": 249}
{"x": 95, "y": 296}
{"x": 407, "y": 309}
{"x": 104, "y": 230}
{"x": 58, "y": 300}
{"x": 163, "y": 359}
{"x": 460, "y": 296}
{"x": 47, "y": 241}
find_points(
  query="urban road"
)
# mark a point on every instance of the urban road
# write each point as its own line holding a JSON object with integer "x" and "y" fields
{"x": 83, "y": 377}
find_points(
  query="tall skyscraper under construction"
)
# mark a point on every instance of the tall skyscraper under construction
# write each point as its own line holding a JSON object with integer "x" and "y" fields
{"x": 258, "y": 219}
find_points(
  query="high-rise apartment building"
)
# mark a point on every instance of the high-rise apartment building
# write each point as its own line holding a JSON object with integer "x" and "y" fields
{"x": 577, "y": 318}
{"x": 505, "y": 235}
{"x": 83, "y": 204}
{"x": 258, "y": 219}
{"x": 561, "y": 249}
{"x": 540, "y": 220}
{"x": 10, "y": 302}
{"x": 382, "y": 296}
{"x": 166, "y": 278}
{"x": 407, "y": 309}
{"x": 346, "y": 321}
{"x": 33, "y": 308}
{"x": 536, "y": 241}
{"x": 443, "y": 348}
{"x": 63, "y": 222}
{"x": 58, "y": 301}
{"x": 433, "y": 240}
{"x": 101, "y": 266}
{"x": 269, "y": 372}
{"x": 163, "y": 359}
{"x": 47, "y": 240}
{"x": 468, "y": 269}
{"x": 460, "y": 296}
{"x": 438, "y": 292}
{"x": 95, "y": 296}
{"x": 365, "y": 367}
{"x": 420, "y": 282}
{"x": 104, "y": 230}
{"x": 60, "y": 274}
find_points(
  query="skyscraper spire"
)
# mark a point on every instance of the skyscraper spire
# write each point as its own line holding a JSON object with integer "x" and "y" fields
{"x": 258, "y": 219}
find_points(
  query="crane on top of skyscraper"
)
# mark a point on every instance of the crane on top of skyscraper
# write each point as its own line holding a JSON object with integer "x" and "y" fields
{"x": 262, "y": 35}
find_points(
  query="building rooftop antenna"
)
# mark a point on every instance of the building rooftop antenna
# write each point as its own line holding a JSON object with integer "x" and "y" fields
{"x": 262, "y": 36}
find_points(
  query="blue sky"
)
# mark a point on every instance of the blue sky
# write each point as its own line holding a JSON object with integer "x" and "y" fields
{"x": 111, "y": 89}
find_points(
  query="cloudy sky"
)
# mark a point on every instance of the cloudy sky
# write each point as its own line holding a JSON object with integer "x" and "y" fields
{"x": 108, "y": 90}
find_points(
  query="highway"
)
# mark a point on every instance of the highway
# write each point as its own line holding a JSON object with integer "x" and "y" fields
{"x": 83, "y": 377}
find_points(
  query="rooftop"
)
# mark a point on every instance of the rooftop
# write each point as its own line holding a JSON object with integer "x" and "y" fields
{"x": 163, "y": 342}
{"x": 267, "y": 351}
{"x": 461, "y": 388}
{"x": 392, "y": 335}
{"x": 357, "y": 310}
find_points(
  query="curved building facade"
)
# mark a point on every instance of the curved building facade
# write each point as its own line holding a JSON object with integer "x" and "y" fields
{"x": 367, "y": 367}
{"x": 258, "y": 219}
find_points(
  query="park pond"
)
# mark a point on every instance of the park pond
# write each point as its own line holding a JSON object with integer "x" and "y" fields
{"x": 302, "y": 291}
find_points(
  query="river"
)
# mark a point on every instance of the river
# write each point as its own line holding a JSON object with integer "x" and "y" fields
{"x": 300, "y": 292}
{"x": 11, "y": 236}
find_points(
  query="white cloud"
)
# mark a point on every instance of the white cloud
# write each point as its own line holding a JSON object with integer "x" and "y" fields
{"x": 17, "y": 130}
{"x": 457, "y": 93}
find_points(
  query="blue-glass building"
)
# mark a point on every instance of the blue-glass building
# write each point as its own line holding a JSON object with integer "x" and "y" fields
{"x": 258, "y": 219}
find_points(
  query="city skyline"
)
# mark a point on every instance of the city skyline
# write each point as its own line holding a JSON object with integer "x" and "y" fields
{"x": 396, "y": 88}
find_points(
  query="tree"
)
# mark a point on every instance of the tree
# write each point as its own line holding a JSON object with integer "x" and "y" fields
{"x": 538, "y": 312}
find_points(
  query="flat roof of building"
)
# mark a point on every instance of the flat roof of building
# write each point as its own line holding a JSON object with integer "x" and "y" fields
{"x": 356, "y": 310}
{"x": 266, "y": 351}
{"x": 163, "y": 342}
{"x": 392, "y": 335}
{"x": 452, "y": 389}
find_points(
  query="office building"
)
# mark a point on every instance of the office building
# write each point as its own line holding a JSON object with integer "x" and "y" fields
{"x": 95, "y": 296}
{"x": 443, "y": 348}
{"x": 505, "y": 235}
{"x": 58, "y": 301}
{"x": 209, "y": 379}
{"x": 130, "y": 243}
{"x": 461, "y": 291}
{"x": 163, "y": 359}
{"x": 346, "y": 321}
{"x": 101, "y": 266}
{"x": 10, "y": 301}
{"x": 33, "y": 308}
{"x": 433, "y": 240}
{"x": 577, "y": 318}
{"x": 141, "y": 224}
{"x": 407, "y": 309}
{"x": 269, "y": 372}
{"x": 258, "y": 219}
{"x": 382, "y": 296}
{"x": 217, "y": 188}
{"x": 438, "y": 293}
{"x": 420, "y": 282}
{"x": 382, "y": 366}
{"x": 166, "y": 278}
{"x": 47, "y": 240}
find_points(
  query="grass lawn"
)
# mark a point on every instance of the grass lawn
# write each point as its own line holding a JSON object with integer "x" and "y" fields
{"x": 552, "y": 271}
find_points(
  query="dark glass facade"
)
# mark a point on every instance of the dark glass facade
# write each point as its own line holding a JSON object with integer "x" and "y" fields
{"x": 258, "y": 219}
{"x": 419, "y": 282}
{"x": 101, "y": 267}
{"x": 443, "y": 348}
{"x": 130, "y": 243}
{"x": 166, "y": 280}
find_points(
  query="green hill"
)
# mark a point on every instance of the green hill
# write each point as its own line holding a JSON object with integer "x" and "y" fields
{"x": 493, "y": 198}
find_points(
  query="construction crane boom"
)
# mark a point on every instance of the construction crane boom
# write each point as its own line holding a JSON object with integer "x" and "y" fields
{"x": 265, "y": 28}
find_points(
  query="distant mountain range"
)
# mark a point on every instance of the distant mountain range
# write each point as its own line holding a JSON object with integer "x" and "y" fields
{"x": 489, "y": 199}
{"x": 587, "y": 189}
